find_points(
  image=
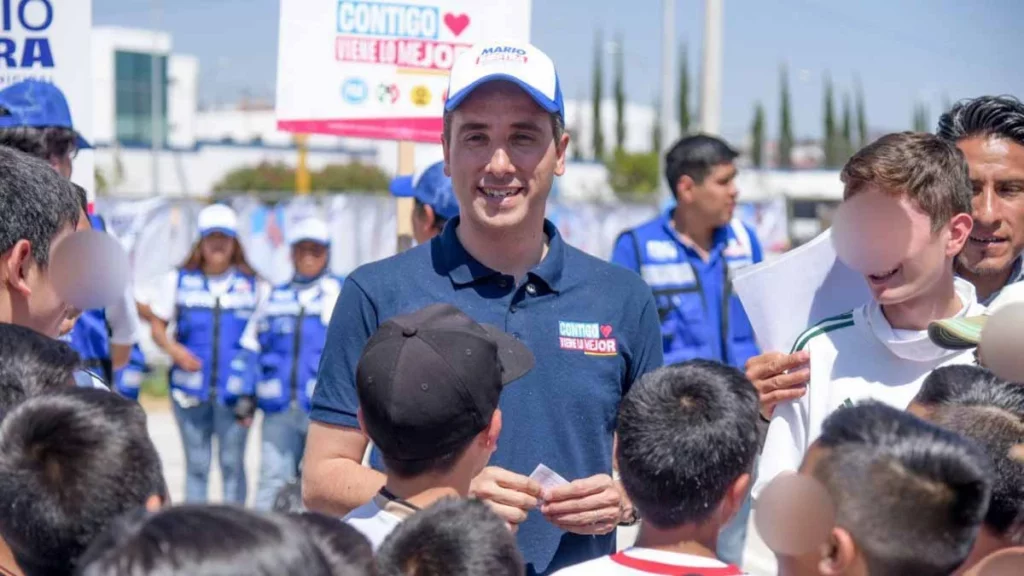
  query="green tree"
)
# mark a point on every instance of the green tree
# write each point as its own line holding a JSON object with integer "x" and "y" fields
{"x": 279, "y": 177}
{"x": 264, "y": 177}
{"x": 757, "y": 136}
{"x": 577, "y": 149}
{"x": 831, "y": 140}
{"x": 634, "y": 174}
{"x": 862, "y": 120}
{"x": 785, "y": 124}
{"x": 656, "y": 128}
{"x": 351, "y": 177}
{"x": 684, "y": 93}
{"x": 846, "y": 142}
{"x": 620, "y": 97}
{"x": 920, "y": 123}
{"x": 597, "y": 140}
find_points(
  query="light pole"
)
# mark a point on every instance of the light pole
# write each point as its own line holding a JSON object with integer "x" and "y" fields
{"x": 155, "y": 101}
{"x": 711, "y": 70}
{"x": 669, "y": 126}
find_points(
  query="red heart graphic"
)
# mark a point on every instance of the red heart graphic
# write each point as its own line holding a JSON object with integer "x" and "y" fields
{"x": 606, "y": 330}
{"x": 456, "y": 23}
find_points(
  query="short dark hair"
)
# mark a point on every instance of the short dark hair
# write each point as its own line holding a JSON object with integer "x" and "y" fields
{"x": 36, "y": 203}
{"x": 70, "y": 463}
{"x": 344, "y": 548}
{"x": 911, "y": 494}
{"x": 41, "y": 142}
{"x": 930, "y": 171}
{"x": 413, "y": 468}
{"x": 686, "y": 432}
{"x": 439, "y": 221}
{"x": 950, "y": 381}
{"x": 32, "y": 364}
{"x": 557, "y": 125}
{"x": 83, "y": 197}
{"x": 695, "y": 156}
{"x": 993, "y": 416}
{"x": 1000, "y": 116}
{"x": 198, "y": 540}
{"x": 451, "y": 537}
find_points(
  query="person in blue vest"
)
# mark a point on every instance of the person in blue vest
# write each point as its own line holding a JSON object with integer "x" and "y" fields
{"x": 104, "y": 337}
{"x": 128, "y": 380}
{"x": 281, "y": 349}
{"x": 435, "y": 202}
{"x": 210, "y": 298}
{"x": 687, "y": 255}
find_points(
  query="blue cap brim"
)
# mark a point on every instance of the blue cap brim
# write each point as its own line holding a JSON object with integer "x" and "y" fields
{"x": 402, "y": 187}
{"x": 543, "y": 101}
{"x": 225, "y": 231}
{"x": 82, "y": 143}
{"x": 313, "y": 240}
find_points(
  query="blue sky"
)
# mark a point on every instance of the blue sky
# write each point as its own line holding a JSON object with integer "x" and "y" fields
{"x": 903, "y": 51}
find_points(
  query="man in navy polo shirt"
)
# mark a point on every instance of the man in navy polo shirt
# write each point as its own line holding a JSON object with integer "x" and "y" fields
{"x": 592, "y": 326}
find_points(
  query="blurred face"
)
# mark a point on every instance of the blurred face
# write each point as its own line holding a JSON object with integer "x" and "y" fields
{"x": 310, "y": 258}
{"x": 502, "y": 158}
{"x": 997, "y": 173}
{"x": 927, "y": 258}
{"x": 217, "y": 250}
{"x": 713, "y": 200}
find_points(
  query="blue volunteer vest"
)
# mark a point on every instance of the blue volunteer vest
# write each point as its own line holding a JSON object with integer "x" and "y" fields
{"x": 700, "y": 315}
{"x": 211, "y": 327}
{"x": 292, "y": 336}
{"x": 90, "y": 336}
{"x": 128, "y": 380}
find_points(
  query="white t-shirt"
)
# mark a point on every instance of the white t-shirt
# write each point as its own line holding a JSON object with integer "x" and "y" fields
{"x": 123, "y": 318}
{"x": 640, "y": 561}
{"x": 854, "y": 357}
{"x": 378, "y": 518}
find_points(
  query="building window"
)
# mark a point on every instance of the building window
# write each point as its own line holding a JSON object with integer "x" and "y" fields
{"x": 133, "y": 102}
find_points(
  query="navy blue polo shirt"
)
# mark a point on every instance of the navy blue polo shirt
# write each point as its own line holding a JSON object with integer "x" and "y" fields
{"x": 592, "y": 327}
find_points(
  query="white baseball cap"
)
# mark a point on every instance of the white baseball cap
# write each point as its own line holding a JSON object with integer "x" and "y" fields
{"x": 520, "y": 63}
{"x": 218, "y": 218}
{"x": 964, "y": 333}
{"x": 310, "y": 229}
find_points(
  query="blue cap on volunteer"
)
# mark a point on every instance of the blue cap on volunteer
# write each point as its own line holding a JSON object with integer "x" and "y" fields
{"x": 310, "y": 230}
{"x": 516, "y": 62}
{"x": 218, "y": 218}
{"x": 431, "y": 187}
{"x": 37, "y": 104}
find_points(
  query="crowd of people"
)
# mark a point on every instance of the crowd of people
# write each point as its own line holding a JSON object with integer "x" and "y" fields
{"x": 495, "y": 401}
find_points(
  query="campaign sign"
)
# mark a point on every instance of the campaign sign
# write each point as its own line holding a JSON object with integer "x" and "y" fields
{"x": 51, "y": 40}
{"x": 370, "y": 69}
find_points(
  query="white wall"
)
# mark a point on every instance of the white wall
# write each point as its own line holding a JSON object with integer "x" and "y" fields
{"x": 182, "y": 99}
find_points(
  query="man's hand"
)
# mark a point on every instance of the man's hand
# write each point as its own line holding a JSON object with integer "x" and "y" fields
{"x": 510, "y": 495}
{"x": 185, "y": 359}
{"x": 588, "y": 506}
{"x": 778, "y": 377}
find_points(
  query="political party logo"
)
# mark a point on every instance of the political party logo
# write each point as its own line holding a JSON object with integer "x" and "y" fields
{"x": 502, "y": 54}
{"x": 592, "y": 339}
{"x": 387, "y": 93}
{"x": 420, "y": 95}
{"x": 355, "y": 90}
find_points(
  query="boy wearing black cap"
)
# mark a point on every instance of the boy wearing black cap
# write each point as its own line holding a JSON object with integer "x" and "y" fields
{"x": 428, "y": 386}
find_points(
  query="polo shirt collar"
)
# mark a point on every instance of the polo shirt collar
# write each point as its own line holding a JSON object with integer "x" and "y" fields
{"x": 463, "y": 269}
{"x": 719, "y": 238}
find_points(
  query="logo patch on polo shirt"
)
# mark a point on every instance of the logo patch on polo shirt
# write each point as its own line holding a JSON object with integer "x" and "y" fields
{"x": 591, "y": 338}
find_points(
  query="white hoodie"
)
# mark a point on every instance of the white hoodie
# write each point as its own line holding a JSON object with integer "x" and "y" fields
{"x": 854, "y": 357}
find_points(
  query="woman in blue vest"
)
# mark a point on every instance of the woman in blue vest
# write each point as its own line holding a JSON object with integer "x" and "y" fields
{"x": 210, "y": 298}
{"x": 282, "y": 347}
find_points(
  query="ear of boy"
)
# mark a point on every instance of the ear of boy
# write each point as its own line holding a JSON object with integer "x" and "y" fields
{"x": 16, "y": 267}
{"x": 734, "y": 498}
{"x": 959, "y": 231}
{"x": 840, "y": 556}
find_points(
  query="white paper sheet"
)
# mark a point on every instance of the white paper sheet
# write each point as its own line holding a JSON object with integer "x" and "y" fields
{"x": 785, "y": 296}
{"x": 547, "y": 478}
